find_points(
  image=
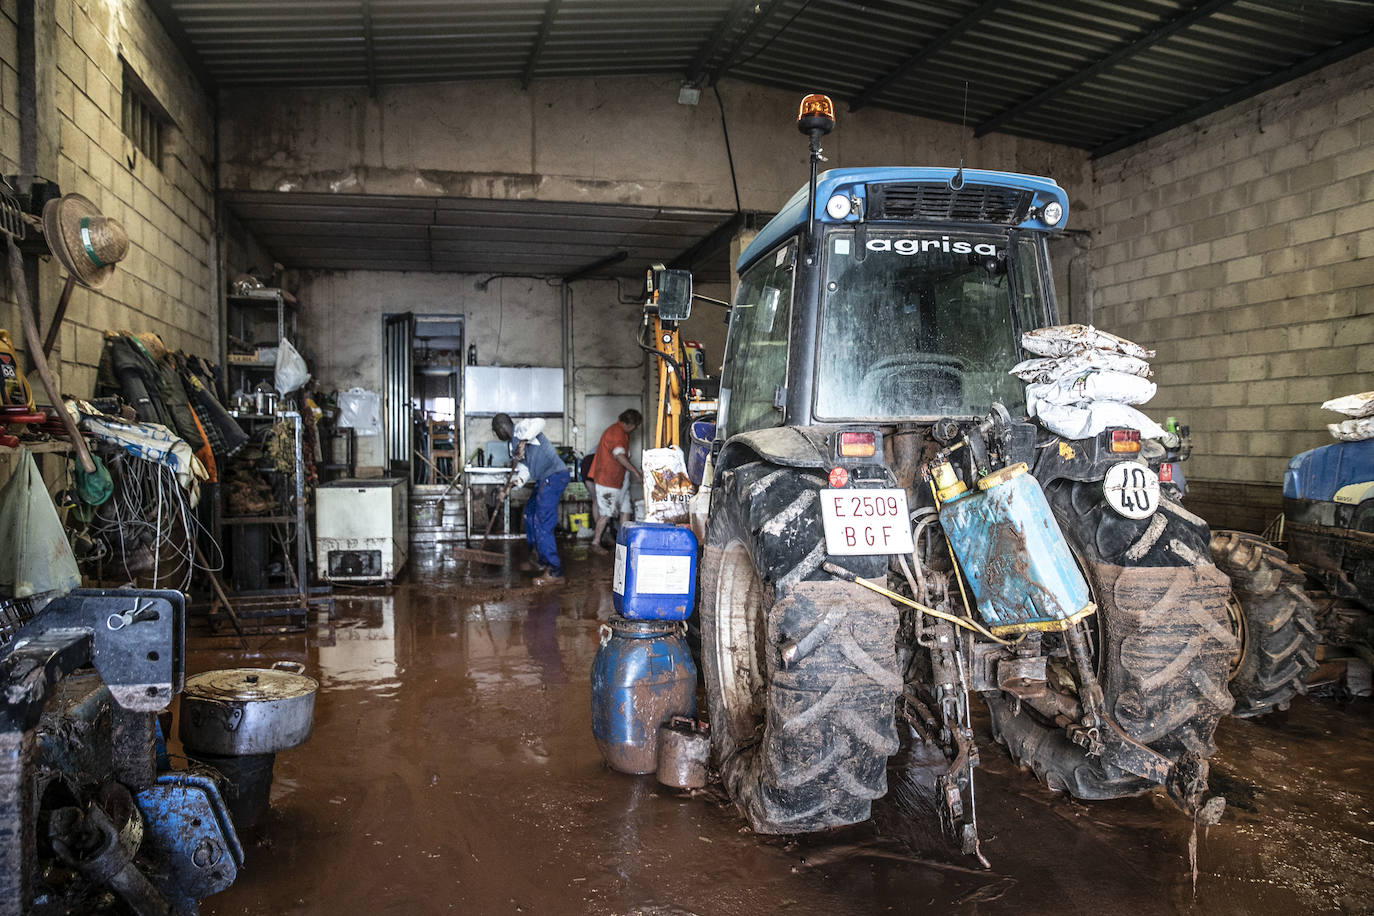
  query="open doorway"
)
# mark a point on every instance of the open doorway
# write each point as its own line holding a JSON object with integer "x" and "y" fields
{"x": 424, "y": 397}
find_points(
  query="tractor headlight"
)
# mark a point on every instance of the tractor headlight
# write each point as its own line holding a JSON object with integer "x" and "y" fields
{"x": 838, "y": 206}
{"x": 1052, "y": 213}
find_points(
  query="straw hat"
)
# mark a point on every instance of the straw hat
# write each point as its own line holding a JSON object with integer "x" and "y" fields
{"x": 82, "y": 240}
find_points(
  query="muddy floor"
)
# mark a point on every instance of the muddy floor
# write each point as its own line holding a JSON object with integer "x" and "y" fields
{"x": 452, "y": 769}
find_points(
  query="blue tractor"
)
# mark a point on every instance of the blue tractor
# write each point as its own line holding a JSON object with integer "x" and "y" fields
{"x": 865, "y": 403}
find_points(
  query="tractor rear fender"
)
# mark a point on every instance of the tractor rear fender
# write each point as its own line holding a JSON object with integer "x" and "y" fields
{"x": 795, "y": 447}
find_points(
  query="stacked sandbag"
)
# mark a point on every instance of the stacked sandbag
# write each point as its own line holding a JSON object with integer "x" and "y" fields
{"x": 1084, "y": 381}
{"x": 1360, "y": 409}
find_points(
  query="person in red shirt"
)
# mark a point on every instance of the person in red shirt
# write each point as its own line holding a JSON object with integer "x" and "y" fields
{"x": 611, "y": 471}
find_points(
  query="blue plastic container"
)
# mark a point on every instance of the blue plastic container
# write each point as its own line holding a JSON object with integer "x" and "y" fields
{"x": 655, "y": 572}
{"x": 702, "y": 432}
{"x": 642, "y": 676}
{"x": 1014, "y": 555}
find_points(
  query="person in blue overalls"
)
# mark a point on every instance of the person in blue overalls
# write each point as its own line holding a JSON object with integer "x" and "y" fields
{"x": 536, "y": 461}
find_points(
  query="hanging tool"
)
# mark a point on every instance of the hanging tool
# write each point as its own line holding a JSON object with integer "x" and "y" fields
{"x": 34, "y": 344}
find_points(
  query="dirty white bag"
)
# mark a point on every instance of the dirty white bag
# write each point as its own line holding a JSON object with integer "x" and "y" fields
{"x": 1050, "y": 368}
{"x": 360, "y": 410}
{"x": 667, "y": 488}
{"x": 1356, "y": 430}
{"x": 291, "y": 372}
{"x": 37, "y": 558}
{"x": 1067, "y": 339}
{"x": 1093, "y": 385}
{"x": 1080, "y": 421}
{"x": 528, "y": 428}
{"x": 1353, "y": 405}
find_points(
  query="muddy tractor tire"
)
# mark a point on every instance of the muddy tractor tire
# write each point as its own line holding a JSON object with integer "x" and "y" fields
{"x": 1162, "y": 641}
{"x": 1274, "y": 621}
{"x": 801, "y": 670}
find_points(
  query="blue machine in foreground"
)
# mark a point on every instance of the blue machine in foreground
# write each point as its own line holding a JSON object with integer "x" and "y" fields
{"x": 655, "y": 572}
{"x": 1014, "y": 555}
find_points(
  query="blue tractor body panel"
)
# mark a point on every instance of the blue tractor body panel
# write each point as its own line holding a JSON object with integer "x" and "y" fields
{"x": 1321, "y": 473}
{"x": 854, "y": 183}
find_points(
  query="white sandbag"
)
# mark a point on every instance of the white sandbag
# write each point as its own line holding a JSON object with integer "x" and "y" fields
{"x": 1356, "y": 430}
{"x": 1081, "y": 421}
{"x": 528, "y": 428}
{"x": 667, "y": 488}
{"x": 1094, "y": 385}
{"x": 1067, "y": 339}
{"x": 1352, "y": 405}
{"x": 1050, "y": 368}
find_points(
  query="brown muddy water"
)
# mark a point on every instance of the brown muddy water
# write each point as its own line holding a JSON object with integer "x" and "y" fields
{"x": 452, "y": 769}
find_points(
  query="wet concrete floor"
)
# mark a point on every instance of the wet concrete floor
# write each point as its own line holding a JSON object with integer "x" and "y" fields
{"x": 452, "y": 769}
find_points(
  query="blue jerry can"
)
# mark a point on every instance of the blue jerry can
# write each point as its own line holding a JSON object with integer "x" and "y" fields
{"x": 1014, "y": 555}
{"x": 655, "y": 572}
{"x": 642, "y": 676}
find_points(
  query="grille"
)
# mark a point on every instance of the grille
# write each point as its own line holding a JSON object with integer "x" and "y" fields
{"x": 935, "y": 201}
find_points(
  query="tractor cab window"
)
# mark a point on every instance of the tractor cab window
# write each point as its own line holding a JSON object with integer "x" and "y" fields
{"x": 756, "y": 351}
{"x": 922, "y": 325}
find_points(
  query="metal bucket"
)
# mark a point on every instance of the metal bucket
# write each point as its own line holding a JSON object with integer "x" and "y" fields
{"x": 237, "y": 711}
{"x": 684, "y": 747}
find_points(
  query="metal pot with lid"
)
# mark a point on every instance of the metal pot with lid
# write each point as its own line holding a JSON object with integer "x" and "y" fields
{"x": 238, "y": 711}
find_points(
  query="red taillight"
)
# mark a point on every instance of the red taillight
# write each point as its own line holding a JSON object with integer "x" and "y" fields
{"x": 838, "y": 477}
{"x": 1125, "y": 440}
{"x": 1166, "y": 473}
{"x": 858, "y": 445}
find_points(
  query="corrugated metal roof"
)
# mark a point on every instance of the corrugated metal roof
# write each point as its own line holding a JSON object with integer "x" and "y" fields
{"x": 1094, "y": 74}
{"x": 1088, "y": 73}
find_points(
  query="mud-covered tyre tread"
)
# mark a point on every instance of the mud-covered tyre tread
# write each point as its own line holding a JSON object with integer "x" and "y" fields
{"x": 1164, "y": 673}
{"x": 819, "y": 757}
{"x": 1280, "y": 649}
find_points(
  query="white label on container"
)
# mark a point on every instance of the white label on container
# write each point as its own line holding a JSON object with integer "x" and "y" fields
{"x": 663, "y": 574}
{"x": 618, "y": 583}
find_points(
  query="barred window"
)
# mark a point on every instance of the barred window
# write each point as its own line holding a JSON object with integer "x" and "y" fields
{"x": 143, "y": 120}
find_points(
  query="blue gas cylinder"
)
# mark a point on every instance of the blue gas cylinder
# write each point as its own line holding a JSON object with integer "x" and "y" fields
{"x": 1014, "y": 555}
{"x": 655, "y": 572}
{"x": 642, "y": 676}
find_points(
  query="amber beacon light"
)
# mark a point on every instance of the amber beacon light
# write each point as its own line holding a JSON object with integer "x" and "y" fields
{"x": 817, "y": 113}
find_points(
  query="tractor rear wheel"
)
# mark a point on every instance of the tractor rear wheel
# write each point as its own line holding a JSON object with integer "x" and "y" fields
{"x": 1274, "y": 620}
{"x": 801, "y": 675}
{"x": 1163, "y": 646}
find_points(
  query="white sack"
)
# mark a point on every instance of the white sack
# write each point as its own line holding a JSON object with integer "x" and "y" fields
{"x": 1093, "y": 385}
{"x": 1050, "y": 368}
{"x": 1353, "y": 405}
{"x": 1067, "y": 339}
{"x": 667, "y": 488}
{"x": 1356, "y": 430}
{"x": 360, "y": 410}
{"x": 291, "y": 372}
{"x": 1081, "y": 421}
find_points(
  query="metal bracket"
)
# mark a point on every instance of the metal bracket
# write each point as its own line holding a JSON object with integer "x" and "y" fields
{"x": 137, "y": 640}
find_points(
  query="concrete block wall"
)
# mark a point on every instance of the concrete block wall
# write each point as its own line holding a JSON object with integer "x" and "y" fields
{"x": 1241, "y": 249}
{"x": 165, "y": 284}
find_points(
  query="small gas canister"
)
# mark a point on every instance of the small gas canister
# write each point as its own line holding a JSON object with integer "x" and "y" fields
{"x": 655, "y": 572}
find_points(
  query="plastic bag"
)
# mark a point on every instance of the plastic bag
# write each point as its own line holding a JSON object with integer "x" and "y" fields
{"x": 1067, "y": 339}
{"x": 1352, "y": 405}
{"x": 360, "y": 410}
{"x": 1080, "y": 421}
{"x": 1356, "y": 430}
{"x": 1093, "y": 385}
{"x": 37, "y": 558}
{"x": 291, "y": 372}
{"x": 1050, "y": 368}
{"x": 667, "y": 488}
